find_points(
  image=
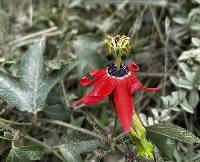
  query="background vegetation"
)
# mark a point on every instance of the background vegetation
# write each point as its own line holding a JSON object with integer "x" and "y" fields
{"x": 164, "y": 43}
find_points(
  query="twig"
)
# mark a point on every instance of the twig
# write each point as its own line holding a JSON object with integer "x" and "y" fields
{"x": 57, "y": 122}
{"x": 42, "y": 32}
{"x": 154, "y": 74}
{"x": 114, "y": 127}
{"x": 64, "y": 94}
{"x": 13, "y": 122}
{"x": 45, "y": 146}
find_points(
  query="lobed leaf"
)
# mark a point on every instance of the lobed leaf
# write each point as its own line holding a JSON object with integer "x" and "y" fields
{"x": 23, "y": 154}
{"x": 29, "y": 92}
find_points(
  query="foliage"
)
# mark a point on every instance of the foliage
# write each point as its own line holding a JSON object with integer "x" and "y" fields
{"x": 47, "y": 46}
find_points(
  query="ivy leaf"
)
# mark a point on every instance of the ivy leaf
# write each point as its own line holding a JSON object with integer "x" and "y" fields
{"x": 24, "y": 154}
{"x": 29, "y": 92}
{"x": 174, "y": 132}
{"x": 76, "y": 143}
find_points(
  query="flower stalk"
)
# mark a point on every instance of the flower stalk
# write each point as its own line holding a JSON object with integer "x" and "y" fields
{"x": 138, "y": 135}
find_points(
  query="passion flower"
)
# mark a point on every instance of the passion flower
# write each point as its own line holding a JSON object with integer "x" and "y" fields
{"x": 120, "y": 83}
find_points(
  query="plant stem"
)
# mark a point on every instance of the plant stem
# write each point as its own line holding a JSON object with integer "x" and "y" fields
{"x": 57, "y": 122}
{"x": 45, "y": 146}
{"x": 13, "y": 122}
{"x": 114, "y": 127}
{"x": 118, "y": 62}
{"x": 64, "y": 94}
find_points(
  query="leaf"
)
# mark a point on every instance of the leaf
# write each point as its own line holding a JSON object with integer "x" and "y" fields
{"x": 57, "y": 112}
{"x": 198, "y": 1}
{"x": 181, "y": 82}
{"x": 185, "y": 106}
{"x": 170, "y": 101}
{"x": 181, "y": 20}
{"x": 193, "y": 98}
{"x": 188, "y": 74}
{"x": 192, "y": 54}
{"x": 196, "y": 79}
{"x": 174, "y": 132}
{"x": 24, "y": 154}
{"x": 165, "y": 146}
{"x": 54, "y": 64}
{"x": 29, "y": 92}
{"x": 196, "y": 41}
{"x": 76, "y": 143}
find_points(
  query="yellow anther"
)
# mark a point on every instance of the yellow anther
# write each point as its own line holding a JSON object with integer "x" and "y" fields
{"x": 117, "y": 43}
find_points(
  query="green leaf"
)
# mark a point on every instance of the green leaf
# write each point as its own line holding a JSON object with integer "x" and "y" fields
{"x": 76, "y": 143}
{"x": 29, "y": 92}
{"x": 196, "y": 41}
{"x": 174, "y": 132}
{"x": 171, "y": 101}
{"x": 165, "y": 146}
{"x": 192, "y": 54}
{"x": 188, "y": 74}
{"x": 57, "y": 112}
{"x": 181, "y": 20}
{"x": 193, "y": 98}
{"x": 198, "y": 1}
{"x": 185, "y": 106}
{"x": 196, "y": 79}
{"x": 24, "y": 154}
{"x": 181, "y": 82}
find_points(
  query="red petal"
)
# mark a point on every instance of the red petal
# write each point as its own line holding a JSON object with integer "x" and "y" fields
{"x": 134, "y": 83}
{"x": 124, "y": 103}
{"x": 151, "y": 89}
{"x": 94, "y": 71}
{"x": 133, "y": 67}
{"x": 85, "y": 81}
{"x": 103, "y": 87}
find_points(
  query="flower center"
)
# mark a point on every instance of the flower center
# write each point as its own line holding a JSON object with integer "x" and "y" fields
{"x": 118, "y": 73}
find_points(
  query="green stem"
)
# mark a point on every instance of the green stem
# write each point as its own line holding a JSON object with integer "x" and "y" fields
{"x": 45, "y": 146}
{"x": 57, "y": 122}
{"x": 13, "y": 122}
{"x": 114, "y": 127}
{"x": 118, "y": 62}
{"x": 64, "y": 94}
{"x": 118, "y": 55}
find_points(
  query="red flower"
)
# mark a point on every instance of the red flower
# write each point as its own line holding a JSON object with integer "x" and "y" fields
{"x": 122, "y": 83}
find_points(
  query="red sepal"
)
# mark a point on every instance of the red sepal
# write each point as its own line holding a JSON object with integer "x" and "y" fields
{"x": 103, "y": 87}
{"x": 124, "y": 103}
